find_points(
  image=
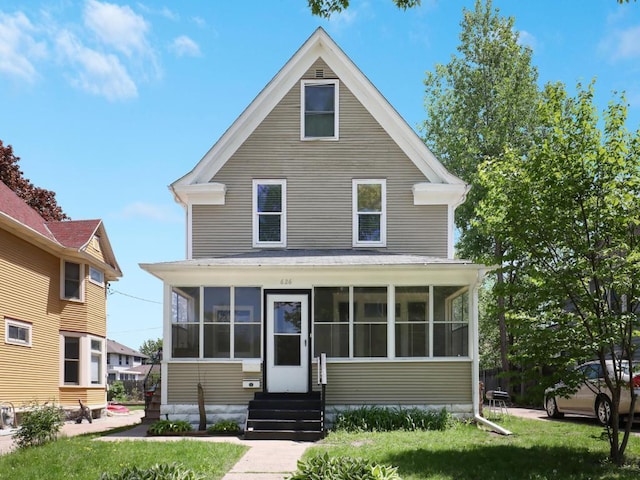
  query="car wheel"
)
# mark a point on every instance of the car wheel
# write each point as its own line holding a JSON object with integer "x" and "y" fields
{"x": 603, "y": 411}
{"x": 552, "y": 408}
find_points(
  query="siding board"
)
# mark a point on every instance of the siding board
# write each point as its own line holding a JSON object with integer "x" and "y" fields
{"x": 319, "y": 186}
{"x": 221, "y": 382}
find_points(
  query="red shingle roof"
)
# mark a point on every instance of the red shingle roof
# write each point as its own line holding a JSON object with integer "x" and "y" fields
{"x": 73, "y": 233}
{"x": 69, "y": 233}
{"x": 16, "y": 208}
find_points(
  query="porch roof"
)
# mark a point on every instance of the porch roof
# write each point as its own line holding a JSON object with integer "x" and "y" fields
{"x": 325, "y": 257}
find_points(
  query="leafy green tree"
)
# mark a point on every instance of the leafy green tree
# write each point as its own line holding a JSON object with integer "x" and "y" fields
{"x": 41, "y": 200}
{"x": 571, "y": 209}
{"x": 479, "y": 106}
{"x": 151, "y": 347}
{"x": 325, "y": 8}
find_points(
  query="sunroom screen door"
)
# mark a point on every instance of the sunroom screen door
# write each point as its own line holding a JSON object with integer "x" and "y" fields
{"x": 287, "y": 343}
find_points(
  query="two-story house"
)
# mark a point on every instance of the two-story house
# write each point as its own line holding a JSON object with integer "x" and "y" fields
{"x": 124, "y": 363}
{"x": 53, "y": 300}
{"x": 319, "y": 223}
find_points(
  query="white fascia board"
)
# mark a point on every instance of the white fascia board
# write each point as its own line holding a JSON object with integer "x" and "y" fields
{"x": 426, "y": 193}
{"x": 252, "y": 116}
{"x": 309, "y": 276}
{"x": 200, "y": 193}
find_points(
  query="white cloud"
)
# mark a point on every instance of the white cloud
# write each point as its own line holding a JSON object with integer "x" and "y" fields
{"x": 18, "y": 47}
{"x": 150, "y": 211}
{"x": 183, "y": 46}
{"x": 118, "y": 27}
{"x": 626, "y": 43}
{"x": 199, "y": 21}
{"x": 528, "y": 39}
{"x": 98, "y": 73}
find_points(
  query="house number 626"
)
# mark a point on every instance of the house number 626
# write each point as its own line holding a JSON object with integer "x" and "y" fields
{"x": 286, "y": 281}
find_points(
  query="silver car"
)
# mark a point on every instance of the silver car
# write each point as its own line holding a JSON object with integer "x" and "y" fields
{"x": 593, "y": 398}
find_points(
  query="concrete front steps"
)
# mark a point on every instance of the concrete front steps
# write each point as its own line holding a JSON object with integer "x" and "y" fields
{"x": 285, "y": 416}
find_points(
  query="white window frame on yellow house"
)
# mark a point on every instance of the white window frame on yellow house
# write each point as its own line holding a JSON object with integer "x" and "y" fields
{"x": 99, "y": 273}
{"x": 25, "y": 326}
{"x": 63, "y": 281}
{"x": 87, "y": 351}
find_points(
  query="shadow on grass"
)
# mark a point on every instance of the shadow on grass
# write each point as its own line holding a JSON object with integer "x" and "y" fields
{"x": 489, "y": 462}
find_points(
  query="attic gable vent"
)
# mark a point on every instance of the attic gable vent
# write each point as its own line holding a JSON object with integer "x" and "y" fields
{"x": 319, "y": 73}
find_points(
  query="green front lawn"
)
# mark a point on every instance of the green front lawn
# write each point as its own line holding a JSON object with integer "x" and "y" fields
{"x": 537, "y": 450}
{"x": 81, "y": 458}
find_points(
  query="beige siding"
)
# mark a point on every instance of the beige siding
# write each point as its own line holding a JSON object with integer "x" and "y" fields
{"x": 93, "y": 396}
{"x": 96, "y": 300}
{"x": 29, "y": 292}
{"x": 95, "y": 250}
{"x": 319, "y": 65}
{"x": 399, "y": 383}
{"x": 222, "y": 383}
{"x": 319, "y": 185}
{"x": 371, "y": 383}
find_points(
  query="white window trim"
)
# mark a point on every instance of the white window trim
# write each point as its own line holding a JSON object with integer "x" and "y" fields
{"x": 383, "y": 213}
{"x": 62, "y": 281}
{"x": 84, "y": 361}
{"x": 283, "y": 214}
{"x": 93, "y": 269}
{"x": 18, "y": 324}
{"x": 336, "y": 114}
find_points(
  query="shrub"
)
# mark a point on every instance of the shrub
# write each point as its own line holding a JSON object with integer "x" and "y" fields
{"x": 343, "y": 468}
{"x": 224, "y": 426}
{"x": 162, "y": 427}
{"x": 382, "y": 419}
{"x": 163, "y": 471}
{"x": 39, "y": 425}
{"x": 117, "y": 392}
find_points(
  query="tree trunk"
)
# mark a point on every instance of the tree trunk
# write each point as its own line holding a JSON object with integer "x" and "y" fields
{"x": 502, "y": 324}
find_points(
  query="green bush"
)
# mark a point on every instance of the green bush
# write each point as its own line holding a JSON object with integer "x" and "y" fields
{"x": 162, "y": 427}
{"x": 116, "y": 392}
{"x": 224, "y": 426}
{"x": 343, "y": 468}
{"x": 382, "y": 419}
{"x": 39, "y": 425}
{"x": 163, "y": 471}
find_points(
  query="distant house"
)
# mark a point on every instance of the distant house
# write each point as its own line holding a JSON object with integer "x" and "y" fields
{"x": 124, "y": 363}
{"x": 53, "y": 300}
{"x": 318, "y": 223}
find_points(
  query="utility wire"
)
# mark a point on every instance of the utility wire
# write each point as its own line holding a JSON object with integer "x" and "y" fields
{"x": 113, "y": 290}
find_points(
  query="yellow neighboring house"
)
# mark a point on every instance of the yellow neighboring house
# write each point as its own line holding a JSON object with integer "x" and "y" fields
{"x": 53, "y": 296}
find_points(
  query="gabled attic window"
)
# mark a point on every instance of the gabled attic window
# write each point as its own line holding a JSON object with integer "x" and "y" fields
{"x": 319, "y": 109}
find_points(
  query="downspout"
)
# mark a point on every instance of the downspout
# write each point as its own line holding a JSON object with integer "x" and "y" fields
{"x": 475, "y": 375}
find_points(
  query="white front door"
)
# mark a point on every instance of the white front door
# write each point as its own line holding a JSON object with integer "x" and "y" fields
{"x": 287, "y": 343}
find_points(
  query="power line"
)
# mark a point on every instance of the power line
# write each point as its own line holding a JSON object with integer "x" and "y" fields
{"x": 113, "y": 290}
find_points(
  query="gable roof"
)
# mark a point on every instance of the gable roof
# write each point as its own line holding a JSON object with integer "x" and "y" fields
{"x": 115, "y": 347}
{"x": 319, "y": 45}
{"x": 67, "y": 236}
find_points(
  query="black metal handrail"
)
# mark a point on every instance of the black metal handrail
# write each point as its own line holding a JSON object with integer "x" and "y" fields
{"x": 150, "y": 389}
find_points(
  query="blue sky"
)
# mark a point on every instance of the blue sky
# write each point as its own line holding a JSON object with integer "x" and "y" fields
{"x": 108, "y": 102}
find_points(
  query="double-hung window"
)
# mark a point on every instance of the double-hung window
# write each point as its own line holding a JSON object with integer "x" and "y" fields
{"x": 269, "y": 213}
{"x": 72, "y": 281}
{"x": 319, "y": 116}
{"x": 17, "y": 332}
{"x": 369, "y": 213}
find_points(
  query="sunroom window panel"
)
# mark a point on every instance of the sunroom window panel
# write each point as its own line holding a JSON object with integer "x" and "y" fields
{"x": 412, "y": 319}
{"x": 331, "y": 321}
{"x": 370, "y": 321}
{"x": 451, "y": 321}
{"x": 217, "y": 340}
{"x": 247, "y": 326}
{"x": 185, "y": 319}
